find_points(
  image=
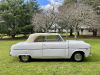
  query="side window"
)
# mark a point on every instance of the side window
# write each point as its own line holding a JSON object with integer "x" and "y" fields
{"x": 40, "y": 39}
{"x": 53, "y": 38}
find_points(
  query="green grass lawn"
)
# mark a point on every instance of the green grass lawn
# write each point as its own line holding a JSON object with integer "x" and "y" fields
{"x": 12, "y": 66}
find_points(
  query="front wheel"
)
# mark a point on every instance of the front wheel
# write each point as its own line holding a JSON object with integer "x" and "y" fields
{"x": 78, "y": 57}
{"x": 24, "y": 58}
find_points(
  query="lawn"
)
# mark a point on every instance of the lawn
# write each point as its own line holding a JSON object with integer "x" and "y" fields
{"x": 12, "y": 66}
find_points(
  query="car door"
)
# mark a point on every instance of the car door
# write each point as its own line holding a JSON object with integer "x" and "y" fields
{"x": 55, "y": 49}
{"x": 36, "y": 49}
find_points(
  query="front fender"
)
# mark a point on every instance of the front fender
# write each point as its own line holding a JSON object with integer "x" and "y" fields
{"x": 72, "y": 51}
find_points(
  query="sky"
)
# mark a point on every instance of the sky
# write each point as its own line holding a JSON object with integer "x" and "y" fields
{"x": 43, "y": 2}
{"x": 48, "y": 4}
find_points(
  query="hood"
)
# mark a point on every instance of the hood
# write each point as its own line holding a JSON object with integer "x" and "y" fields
{"x": 78, "y": 44}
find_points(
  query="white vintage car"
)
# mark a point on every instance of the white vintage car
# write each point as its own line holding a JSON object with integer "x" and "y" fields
{"x": 50, "y": 46}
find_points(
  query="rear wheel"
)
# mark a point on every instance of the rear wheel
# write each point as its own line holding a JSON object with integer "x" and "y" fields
{"x": 24, "y": 58}
{"x": 78, "y": 57}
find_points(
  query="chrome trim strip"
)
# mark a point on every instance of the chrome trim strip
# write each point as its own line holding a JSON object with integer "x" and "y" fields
{"x": 27, "y": 49}
{"x": 39, "y": 49}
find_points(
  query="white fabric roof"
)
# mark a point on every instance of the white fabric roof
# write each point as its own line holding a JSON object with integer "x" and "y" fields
{"x": 32, "y": 37}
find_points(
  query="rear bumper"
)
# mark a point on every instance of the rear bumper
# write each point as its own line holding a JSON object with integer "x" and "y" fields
{"x": 90, "y": 54}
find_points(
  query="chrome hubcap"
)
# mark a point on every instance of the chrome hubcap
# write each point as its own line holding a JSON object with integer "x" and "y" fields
{"x": 78, "y": 57}
{"x": 25, "y": 58}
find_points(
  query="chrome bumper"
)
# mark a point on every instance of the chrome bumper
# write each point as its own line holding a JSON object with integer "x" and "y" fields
{"x": 90, "y": 54}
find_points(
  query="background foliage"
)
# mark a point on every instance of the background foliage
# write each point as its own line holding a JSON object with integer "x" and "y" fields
{"x": 17, "y": 15}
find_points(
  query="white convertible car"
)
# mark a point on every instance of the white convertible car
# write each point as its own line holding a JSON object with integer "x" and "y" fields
{"x": 50, "y": 46}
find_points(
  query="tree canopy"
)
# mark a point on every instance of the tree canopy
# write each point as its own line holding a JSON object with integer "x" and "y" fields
{"x": 17, "y": 14}
{"x": 93, "y": 3}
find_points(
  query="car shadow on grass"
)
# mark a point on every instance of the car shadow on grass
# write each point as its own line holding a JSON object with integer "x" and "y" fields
{"x": 50, "y": 60}
{"x": 89, "y": 59}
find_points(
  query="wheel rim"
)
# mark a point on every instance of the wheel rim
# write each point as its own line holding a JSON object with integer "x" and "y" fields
{"x": 78, "y": 57}
{"x": 25, "y": 58}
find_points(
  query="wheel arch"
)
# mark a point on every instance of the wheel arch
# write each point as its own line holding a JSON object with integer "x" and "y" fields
{"x": 24, "y": 55}
{"x": 77, "y": 52}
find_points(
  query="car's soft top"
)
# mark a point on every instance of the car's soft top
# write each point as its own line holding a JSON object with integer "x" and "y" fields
{"x": 32, "y": 37}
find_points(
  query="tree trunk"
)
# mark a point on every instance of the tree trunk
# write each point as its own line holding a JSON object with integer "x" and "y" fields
{"x": 46, "y": 30}
{"x": 1, "y": 36}
{"x": 82, "y": 31}
{"x": 66, "y": 33}
{"x": 71, "y": 32}
{"x": 55, "y": 29}
{"x": 75, "y": 30}
{"x": 78, "y": 33}
{"x": 13, "y": 36}
{"x": 95, "y": 32}
{"x": 25, "y": 35}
